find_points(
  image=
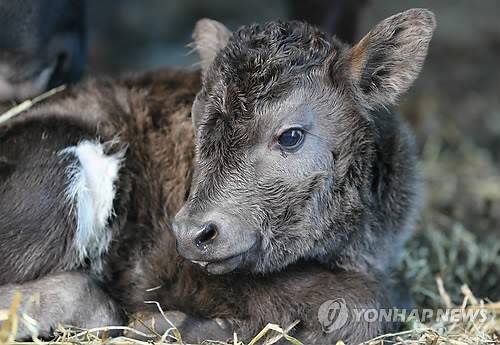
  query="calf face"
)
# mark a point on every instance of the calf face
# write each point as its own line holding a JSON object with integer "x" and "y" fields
{"x": 294, "y": 158}
{"x": 42, "y": 45}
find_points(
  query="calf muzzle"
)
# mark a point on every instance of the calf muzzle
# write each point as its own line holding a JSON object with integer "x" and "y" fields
{"x": 219, "y": 243}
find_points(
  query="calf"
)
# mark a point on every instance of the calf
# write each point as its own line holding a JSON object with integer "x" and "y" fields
{"x": 301, "y": 193}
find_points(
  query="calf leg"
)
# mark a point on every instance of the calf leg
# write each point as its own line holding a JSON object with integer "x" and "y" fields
{"x": 326, "y": 304}
{"x": 70, "y": 298}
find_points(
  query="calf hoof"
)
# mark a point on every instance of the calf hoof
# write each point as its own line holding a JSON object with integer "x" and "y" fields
{"x": 177, "y": 325}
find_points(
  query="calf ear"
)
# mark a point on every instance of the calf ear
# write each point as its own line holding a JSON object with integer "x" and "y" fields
{"x": 196, "y": 112}
{"x": 210, "y": 37}
{"x": 389, "y": 58}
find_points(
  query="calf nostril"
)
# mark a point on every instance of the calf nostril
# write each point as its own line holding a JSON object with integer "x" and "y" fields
{"x": 207, "y": 234}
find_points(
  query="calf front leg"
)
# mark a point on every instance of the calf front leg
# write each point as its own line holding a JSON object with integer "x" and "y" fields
{"x": 327, "y": 305}
{"x": 71, "y": 298}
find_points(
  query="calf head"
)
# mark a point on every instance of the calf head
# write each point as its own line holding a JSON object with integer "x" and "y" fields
{"x": 288, "y": 143}
{"x": 42, "y": 45}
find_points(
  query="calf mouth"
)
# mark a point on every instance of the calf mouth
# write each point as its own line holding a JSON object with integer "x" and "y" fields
{"x": 222, "y": 266}
{"x": 229, "y": 264}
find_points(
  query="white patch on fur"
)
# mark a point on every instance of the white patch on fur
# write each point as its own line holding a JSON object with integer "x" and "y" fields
{"x": 92, "y": 190}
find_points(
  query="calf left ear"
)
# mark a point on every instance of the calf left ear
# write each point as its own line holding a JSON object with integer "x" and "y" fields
{"x": 386, "y": 62}
{"x": 210, "y": 37}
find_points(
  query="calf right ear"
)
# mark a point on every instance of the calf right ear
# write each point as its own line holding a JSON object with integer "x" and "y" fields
{"x": 386, "y": 62}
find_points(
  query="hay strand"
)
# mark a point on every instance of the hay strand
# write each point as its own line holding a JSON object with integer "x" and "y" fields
{"x": 26, "y": 105}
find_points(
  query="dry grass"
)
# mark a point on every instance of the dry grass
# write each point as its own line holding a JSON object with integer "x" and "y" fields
{"x": 26, "y": 105}
{"x": 438, "y": 332}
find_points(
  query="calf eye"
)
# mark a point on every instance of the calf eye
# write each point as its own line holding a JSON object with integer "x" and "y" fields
{"x": 291, "y": 138}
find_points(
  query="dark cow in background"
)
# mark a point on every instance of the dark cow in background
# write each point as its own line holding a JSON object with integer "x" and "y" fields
{"x": 299, "y": 190}
{"x": 42, "y": 45}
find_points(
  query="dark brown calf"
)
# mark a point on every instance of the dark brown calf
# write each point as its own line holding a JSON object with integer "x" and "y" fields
{"x": 125, "y": 151}
{"x": 152, "y": 115}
